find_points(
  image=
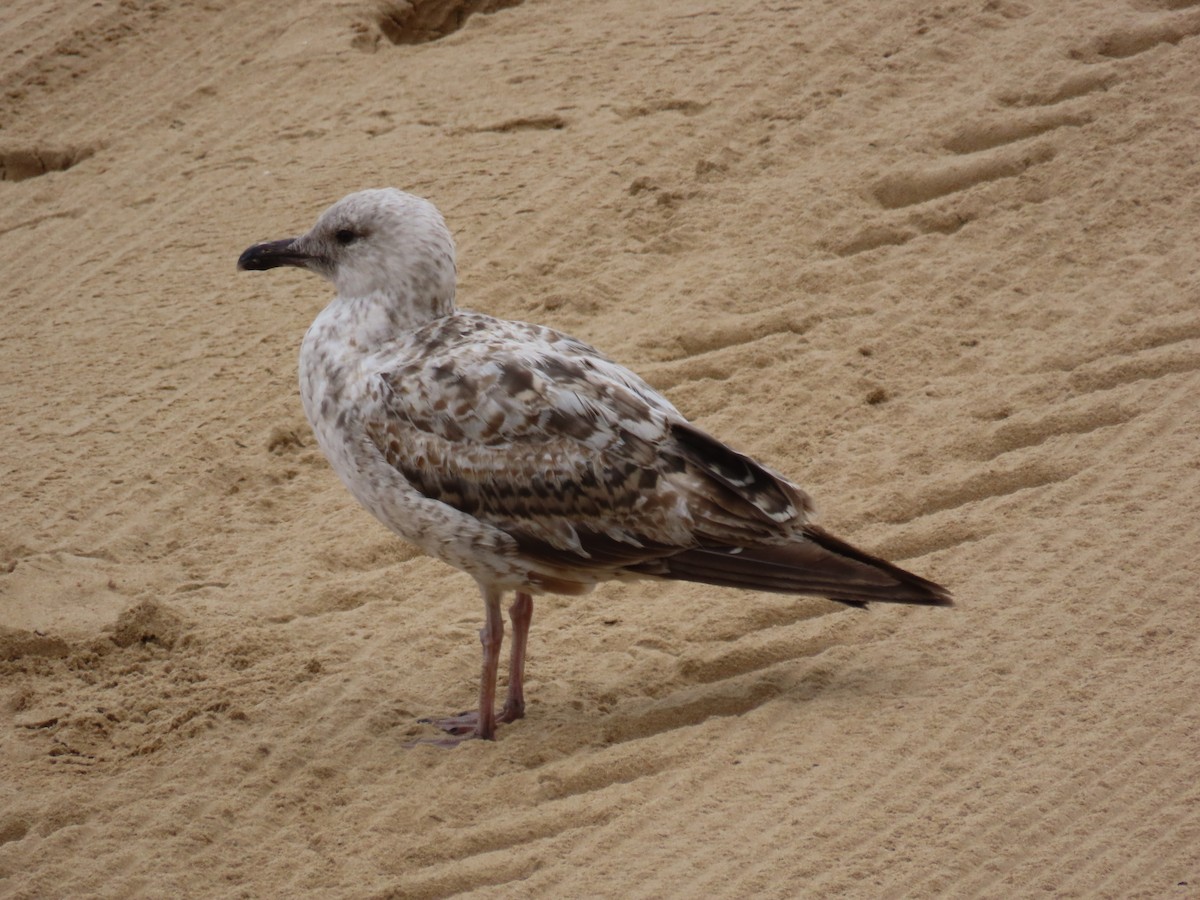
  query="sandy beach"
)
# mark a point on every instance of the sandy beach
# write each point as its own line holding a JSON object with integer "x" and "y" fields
{"x": 937, "y": 262}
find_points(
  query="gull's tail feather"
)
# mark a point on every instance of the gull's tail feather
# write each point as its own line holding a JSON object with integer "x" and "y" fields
{"x": 818, "y": 564}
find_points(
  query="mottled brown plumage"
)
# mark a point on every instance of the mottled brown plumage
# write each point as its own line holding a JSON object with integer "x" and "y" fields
{"x": 525, "y": 457}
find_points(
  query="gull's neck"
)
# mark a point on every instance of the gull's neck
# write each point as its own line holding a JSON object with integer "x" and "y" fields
{"x": 393, "y": 296}
{"x": 398, "y": 286}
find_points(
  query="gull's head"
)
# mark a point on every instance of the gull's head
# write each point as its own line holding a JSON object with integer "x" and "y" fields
{"x": 381, "y": 244}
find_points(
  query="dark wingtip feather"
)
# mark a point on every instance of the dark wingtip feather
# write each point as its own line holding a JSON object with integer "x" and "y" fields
{"x": 923, "y": 591}
{"x": 817, "y": 563}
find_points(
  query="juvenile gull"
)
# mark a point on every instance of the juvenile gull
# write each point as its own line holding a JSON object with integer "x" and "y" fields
{"x": 525, "y": 457}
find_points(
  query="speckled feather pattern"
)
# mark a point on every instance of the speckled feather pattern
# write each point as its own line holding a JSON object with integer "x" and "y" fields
{"x": 521, "y": 455}
{"x": 569, "y": 461}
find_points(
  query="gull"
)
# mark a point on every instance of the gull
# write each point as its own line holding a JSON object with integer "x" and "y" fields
{"x": 525, "y": 457}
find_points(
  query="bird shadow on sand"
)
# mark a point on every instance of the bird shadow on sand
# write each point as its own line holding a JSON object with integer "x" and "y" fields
{"x": 792, "y": 687}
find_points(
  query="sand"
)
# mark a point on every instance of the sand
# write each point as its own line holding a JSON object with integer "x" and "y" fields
{"x": 936, "y": 261}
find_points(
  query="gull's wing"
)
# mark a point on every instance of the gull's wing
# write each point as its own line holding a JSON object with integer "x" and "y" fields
{"x": 574, "y": 456}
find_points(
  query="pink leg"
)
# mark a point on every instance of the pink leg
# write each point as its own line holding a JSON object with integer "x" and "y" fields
{"x": 491, "y": 636}
{"x": 480, "y": 724}
{"x": 521, "y": 614}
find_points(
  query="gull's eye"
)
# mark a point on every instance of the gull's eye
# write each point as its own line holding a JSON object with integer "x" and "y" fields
{"x": 345, "y": 236}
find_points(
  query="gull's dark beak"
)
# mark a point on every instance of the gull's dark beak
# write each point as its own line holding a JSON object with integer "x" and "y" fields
{"x": 270, "y": 254}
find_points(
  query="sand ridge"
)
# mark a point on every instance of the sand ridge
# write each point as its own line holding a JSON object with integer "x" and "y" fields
{"x": 938, "y": 263}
